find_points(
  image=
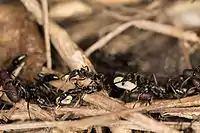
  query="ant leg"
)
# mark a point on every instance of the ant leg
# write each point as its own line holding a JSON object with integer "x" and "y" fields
{"x": 4, "y": 105}
{"x": 91, "y": 88}
{"x": 173, "y": 89}
{"x": 67, "y": 79}
{"x": 28, "y": 108}
{"x": 64, "y": 83}
{"x": 138, "y": 99}
{"x": 189, "y": 90}
{"x": 79, "y": 101}
{"x": 185, "y": 82}
{"x": 86, "y": 68}
{"x": 65, "y": 75}
{"x": 155, "y": 80}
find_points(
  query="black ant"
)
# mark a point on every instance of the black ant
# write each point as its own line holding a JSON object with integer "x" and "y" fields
{"x": 85, "y": 79}
{"x": 188, "y": 83}
{"x": 40, "y": 91}
{"x": 139, "y": 86}
{"x": 192, "y": 76}
{"x": 86, "y": 82}
{"x": 11, "y": 87}
{"x": 82, "y": 78}
{"x": 67, "y": 97}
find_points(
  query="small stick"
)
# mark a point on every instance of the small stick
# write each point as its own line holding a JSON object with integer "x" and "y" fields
{"x": 81, "y": 111}
{"x": 103, "y": 120}
{"x": 146, "y": 25}
{"x": 71, "y": 54}
{"x": 189, "y": 113}
{"x": 36, "y": 110}
{"x": 113, "y": 2}
{"x": 182, "y": 125}
{"x": 185, "y": 52}
{"x": 46, "y": 32}
{"x": 124, "y": 112}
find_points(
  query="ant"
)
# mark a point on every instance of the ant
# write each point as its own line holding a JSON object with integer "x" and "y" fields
{"x": 85, "y": 79}
{"x": 86, "y": 82}
{"x": 40, "y": 91}
{"x": 12, "y": 87}
{"x": 67, "y": 97}
{"x": 192, "y": 76}
{"x": 188, "y": 83}
{"x": 82, "y": 78}
{"x": 139, "y": 86}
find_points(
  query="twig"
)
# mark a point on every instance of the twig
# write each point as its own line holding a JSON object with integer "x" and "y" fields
{"x": 17, "y": 114}
{"x": 162, "y": 104}
{"x": 6, "y": 116}
{"x": 120, "y": 130}
{"x": 36, "y": 110}
{"x": 68, "y": 50}
{"x": 104, "y": 120}
{"x": 111, "y": 105}
{"x": 79, "y": 124}
{"x": 104, "y": 102}
{"x": 46, "y": 32}
{"x": 182, "y": 125}
{"x": 185, "y": 52}
{"x": 81, "y": 111}
{"x": 69, "y": 9}
{"x": 146, "y": 25}
{"x": 189, "y": 113}
{"x": 109, "y": 2}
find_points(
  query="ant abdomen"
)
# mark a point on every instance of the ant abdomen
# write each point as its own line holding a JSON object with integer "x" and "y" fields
{"x": 12, "y": 92}
{"x": 4, "y": 75}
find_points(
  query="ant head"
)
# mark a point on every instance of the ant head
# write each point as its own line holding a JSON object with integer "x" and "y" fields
{"x": 16, "y": 62}
{"x": 19, "y": 59}
{"x": 4, "y": 74}
{"x": 48, "y": 77}
{"x": 188, "y": 73}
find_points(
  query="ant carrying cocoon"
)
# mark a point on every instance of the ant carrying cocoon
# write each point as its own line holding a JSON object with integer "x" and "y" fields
{"x": 86, "y": 82}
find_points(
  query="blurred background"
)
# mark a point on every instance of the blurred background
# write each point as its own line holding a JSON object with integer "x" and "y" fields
{"x": 89, "y": 21}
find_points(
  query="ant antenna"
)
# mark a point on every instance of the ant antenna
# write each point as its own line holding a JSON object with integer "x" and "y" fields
{"x": 155, "y": 79}
{"x": 185, "y": 82}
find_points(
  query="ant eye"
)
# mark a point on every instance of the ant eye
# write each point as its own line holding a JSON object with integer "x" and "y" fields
{"x": 127, "y": 85}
